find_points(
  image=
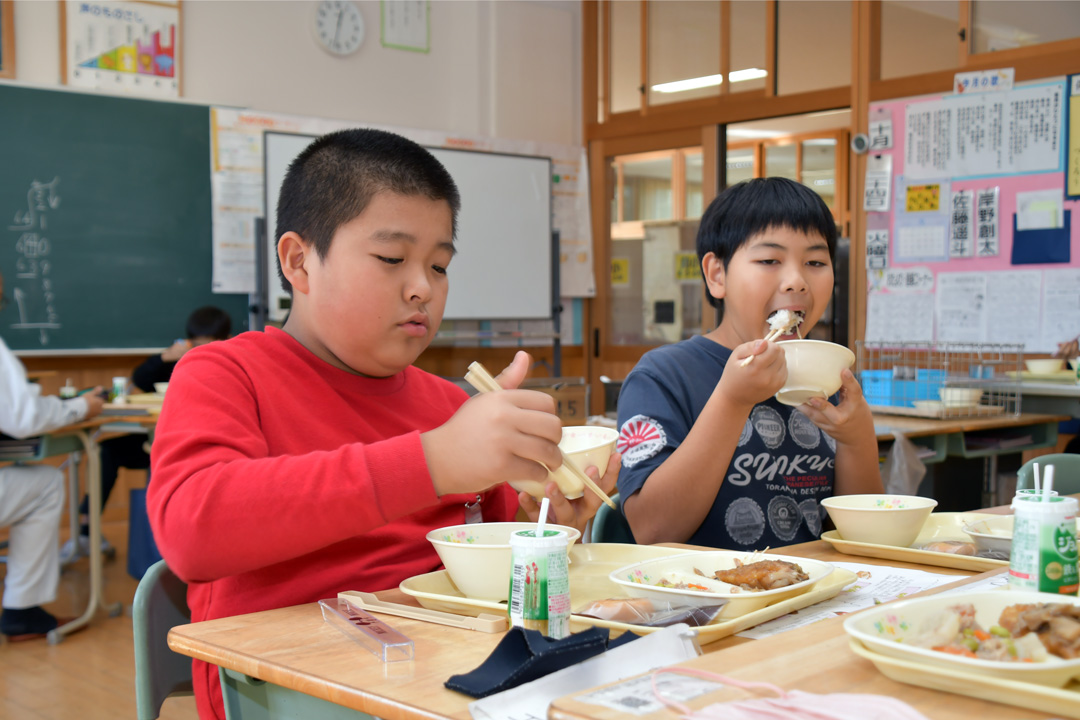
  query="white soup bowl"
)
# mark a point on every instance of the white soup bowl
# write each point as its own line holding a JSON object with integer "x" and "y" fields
{"x": 477, "y": 555}
{"x": 879, "y": 519}
{"x": 814, "y": 368}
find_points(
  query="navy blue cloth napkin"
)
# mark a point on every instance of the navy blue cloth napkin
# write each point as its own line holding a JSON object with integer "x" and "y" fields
{"x": 525, "y": 655}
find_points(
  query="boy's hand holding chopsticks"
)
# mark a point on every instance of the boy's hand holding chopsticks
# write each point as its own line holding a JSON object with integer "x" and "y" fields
{"x": 564, "y": 472}
{"x": 495, "y": 436}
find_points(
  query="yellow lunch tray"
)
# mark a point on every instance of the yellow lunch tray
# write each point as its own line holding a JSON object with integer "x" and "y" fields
{"x": 1057, "y": 701}
{"x": 939, "y": 526}
{"x": 146, "y": 399}
{"x": 1056, "y": 376}
{"x": 590, "y": 565}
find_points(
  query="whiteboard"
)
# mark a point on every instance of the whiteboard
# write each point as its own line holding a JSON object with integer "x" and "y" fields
{"x": 504, "y": 263}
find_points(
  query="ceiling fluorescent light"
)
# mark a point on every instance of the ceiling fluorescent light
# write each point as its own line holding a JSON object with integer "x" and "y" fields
{"x": 754, "y": 134}
{"x": 709, "y": 81}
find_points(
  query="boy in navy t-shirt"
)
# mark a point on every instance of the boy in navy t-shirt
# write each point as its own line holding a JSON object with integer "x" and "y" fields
{"x": 709, "y": 456}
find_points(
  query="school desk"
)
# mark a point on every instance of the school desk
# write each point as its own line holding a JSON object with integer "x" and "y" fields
{"x": 290, "y": 660}
{"x": 1050, "y": 397}
{"x": 974, "y": 438}
{"x": 81, "y": 437}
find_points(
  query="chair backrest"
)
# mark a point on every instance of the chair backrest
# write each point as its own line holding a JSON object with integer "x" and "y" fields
{"x": 160, "y": 604}
{"x": 610, "y": 525}
{"x": 1066, "y": 472}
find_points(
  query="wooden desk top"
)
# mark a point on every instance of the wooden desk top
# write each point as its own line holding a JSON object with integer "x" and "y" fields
{"x": 294, "y": 648}
{"x": 813, "y": 659}
{"x": 96, "y": 422}
{"x": 915, "y": 427}
{"x": 1007, "y": 509}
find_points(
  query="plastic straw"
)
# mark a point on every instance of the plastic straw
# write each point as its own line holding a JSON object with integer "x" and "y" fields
{"x": 1048, "y": 483}
{"x": 1036, "y": 477}
{"x": 543, "y": 517}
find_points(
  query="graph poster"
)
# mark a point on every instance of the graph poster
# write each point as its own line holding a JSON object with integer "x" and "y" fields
{"x": 122, "y": 47}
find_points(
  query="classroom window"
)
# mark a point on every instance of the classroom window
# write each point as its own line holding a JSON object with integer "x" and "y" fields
{"x": 602, "y": 51}
{"x": 781, "y": 161}
{"x": 625, "y": 55}
{"x": 655, "y": 284}
{"x": 693, "y": 166}
{"x": 813, "y": 45}
{"x": 918, "y": 37}
{"x": 819, "y": 167}
{"x": 1008, "y": 25}
{"x": 740, "y": 164}
{"x": 747, "y": 45}
{"x": 647, "y": 189}
{"x": 684, "y": 49}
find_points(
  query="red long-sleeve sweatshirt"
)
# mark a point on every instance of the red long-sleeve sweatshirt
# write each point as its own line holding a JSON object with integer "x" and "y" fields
{"x": 277, "y": 479}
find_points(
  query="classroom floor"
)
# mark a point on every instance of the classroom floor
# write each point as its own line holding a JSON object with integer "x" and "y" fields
{"x": 91, "y": 674}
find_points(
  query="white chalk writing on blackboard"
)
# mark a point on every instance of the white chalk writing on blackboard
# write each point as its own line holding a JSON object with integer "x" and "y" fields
{"x": 34, "y": 291}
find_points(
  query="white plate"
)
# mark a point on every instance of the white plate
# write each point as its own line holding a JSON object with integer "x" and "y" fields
{"x": 883, "y": 629}
{"x": 639, "y": 580}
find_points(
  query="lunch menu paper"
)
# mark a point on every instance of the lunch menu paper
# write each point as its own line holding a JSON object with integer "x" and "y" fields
{"x": 876, "y": 584}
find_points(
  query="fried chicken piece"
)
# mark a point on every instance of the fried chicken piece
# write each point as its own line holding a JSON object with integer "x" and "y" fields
{"x": 763, "y": 575}
{"x": 1056, "y": 624}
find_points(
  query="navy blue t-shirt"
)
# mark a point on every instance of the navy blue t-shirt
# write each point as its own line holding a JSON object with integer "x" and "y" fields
{"x": 783, "y": 467}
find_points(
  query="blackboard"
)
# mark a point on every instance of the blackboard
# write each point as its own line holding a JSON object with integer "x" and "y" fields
{"x": 105, "y": 241}
{"x": 504, "y": 263}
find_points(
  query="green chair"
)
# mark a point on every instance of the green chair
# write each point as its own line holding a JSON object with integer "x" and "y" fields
{"x": 611, "y": 526}
{"x": 160, "y": 604}
{"x": 1066, "y": 472}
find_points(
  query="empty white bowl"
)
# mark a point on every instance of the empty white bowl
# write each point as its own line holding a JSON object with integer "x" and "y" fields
{"x": 993, "y": 533}
{"x": 583, "y": 445}
{"x": 160, "y": 388}
{"x": 477, "y": 556}
{"x": 879, "y": 519}
{"x": 1044, "y": 365}
{"x": 959, "y": 396}
{"x": 814, "y": 368}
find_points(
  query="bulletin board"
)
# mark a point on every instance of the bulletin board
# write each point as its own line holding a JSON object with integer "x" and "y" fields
{"x": 971, "y": 233}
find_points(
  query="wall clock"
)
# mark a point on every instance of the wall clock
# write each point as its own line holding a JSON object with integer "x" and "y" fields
{"x": 339, "y": 26}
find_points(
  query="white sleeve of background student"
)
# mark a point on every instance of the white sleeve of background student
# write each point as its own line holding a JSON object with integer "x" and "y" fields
{"x": 23, "y": 410}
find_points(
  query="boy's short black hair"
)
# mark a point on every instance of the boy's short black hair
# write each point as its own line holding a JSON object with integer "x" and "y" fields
{"x": 209, "y": 321}
{"x": 336, "y": 176}
{"x": 754, "y": 206}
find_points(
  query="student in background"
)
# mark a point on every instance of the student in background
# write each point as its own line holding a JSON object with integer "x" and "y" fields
{"x": 32, "y": 499}
{"x": 293, "y": 464}
{"x": 1070, "y": 350}
{"x": 205, "y": 325}
{"x": 710, "y": 457}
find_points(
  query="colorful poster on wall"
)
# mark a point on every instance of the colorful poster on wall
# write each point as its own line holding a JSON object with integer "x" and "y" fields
{"x": 1072, "y": 171}
{"x": 989, "y": 235}
{"x": 620, "y": 271}
{"x": 923, "y": 198}
{"x": 992, "y": 134}
{"x": 961, "y": 242}
{"x": 7, "y": 37}
{"x": 877, "y": 249}
{"x": 122, "y": 46}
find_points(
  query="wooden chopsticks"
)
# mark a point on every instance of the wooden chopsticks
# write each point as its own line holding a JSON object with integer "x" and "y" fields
{"x": 768, "y": 338}
{"x": 479, "y": 377}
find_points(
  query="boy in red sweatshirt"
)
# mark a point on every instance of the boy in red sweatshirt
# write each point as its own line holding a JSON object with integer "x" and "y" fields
{"x": 292, "y": 464}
